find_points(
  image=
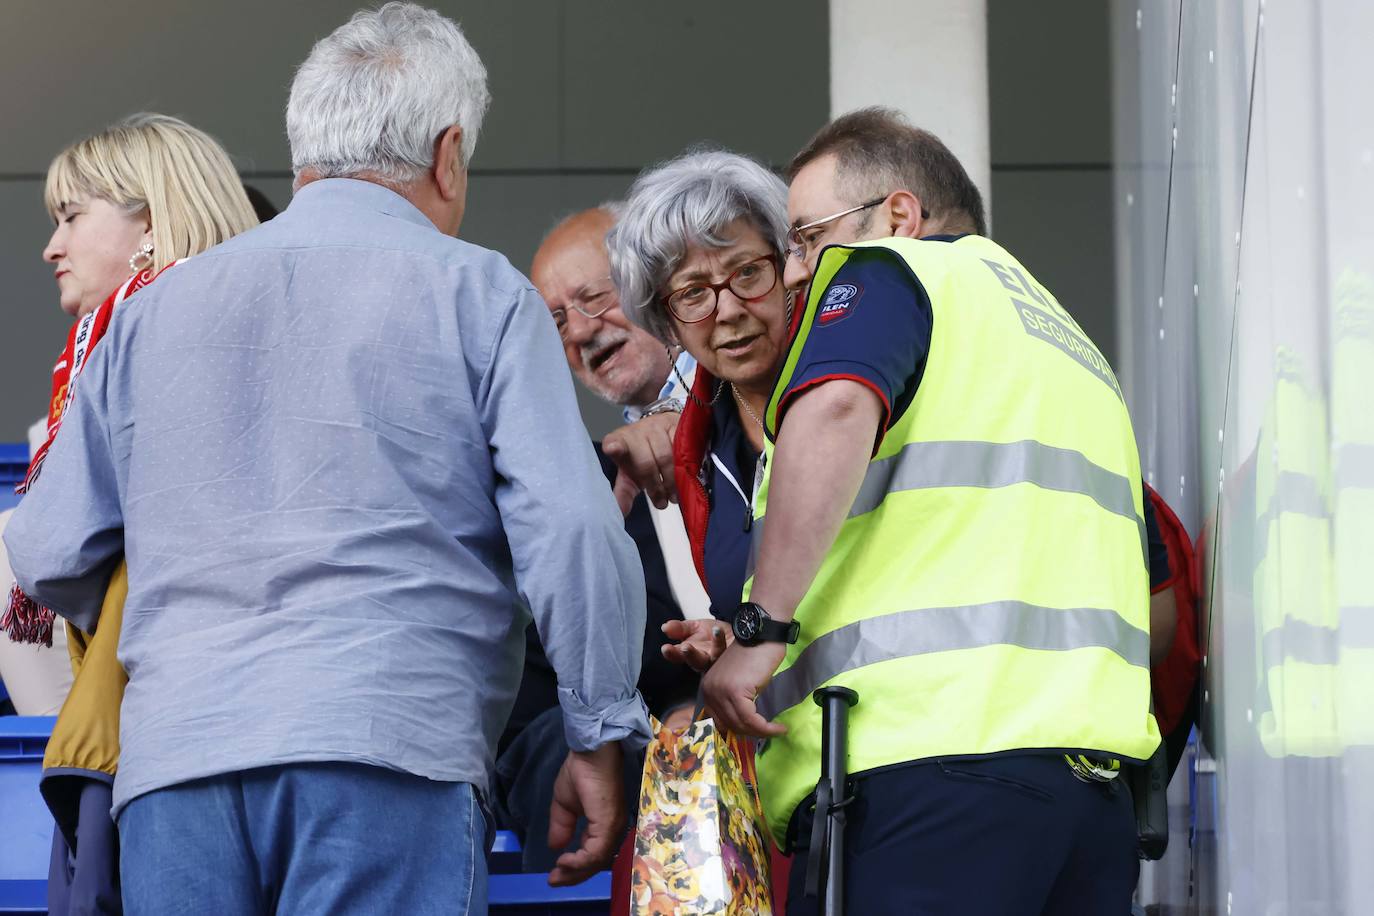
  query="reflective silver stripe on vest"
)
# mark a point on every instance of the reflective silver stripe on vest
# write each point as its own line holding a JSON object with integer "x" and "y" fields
{"x": 906, "y": 634}
{"x": 986, "y": 465}
{"x": 924, "y": 465}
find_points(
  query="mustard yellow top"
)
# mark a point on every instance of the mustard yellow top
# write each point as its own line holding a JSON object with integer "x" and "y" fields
{"x": 86, "y": 736}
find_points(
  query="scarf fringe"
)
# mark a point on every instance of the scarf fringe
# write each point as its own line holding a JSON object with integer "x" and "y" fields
{"x": 27, "y": 621}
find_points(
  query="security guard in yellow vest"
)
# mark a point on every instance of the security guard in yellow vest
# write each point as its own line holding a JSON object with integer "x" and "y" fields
{"x": 951, "y": 524}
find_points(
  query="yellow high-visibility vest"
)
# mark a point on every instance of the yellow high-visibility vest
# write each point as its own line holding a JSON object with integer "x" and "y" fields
{"x": 988, "y": 591}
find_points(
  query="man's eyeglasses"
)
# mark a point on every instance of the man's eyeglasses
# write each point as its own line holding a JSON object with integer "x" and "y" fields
{"x": 801, "y": 238}
{"x": 750, "y": 281}
{"x": 592, "y": 301}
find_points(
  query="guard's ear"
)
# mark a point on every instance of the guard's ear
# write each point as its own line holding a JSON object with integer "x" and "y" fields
{"x": 905, "y": 215}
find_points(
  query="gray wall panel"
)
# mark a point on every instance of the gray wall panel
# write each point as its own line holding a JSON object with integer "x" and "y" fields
{"x": 1054, "y": 228}
{"x": 643, "y": 80}
{"x": 1050, "y": 92}
{"x": 32, "y": 327}
{"x": 228, "y": 68}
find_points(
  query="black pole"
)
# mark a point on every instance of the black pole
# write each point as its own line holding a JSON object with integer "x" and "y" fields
{"x": 834, "y": 703}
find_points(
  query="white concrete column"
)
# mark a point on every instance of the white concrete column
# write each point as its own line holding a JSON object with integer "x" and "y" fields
{"x": 928, "y": 58}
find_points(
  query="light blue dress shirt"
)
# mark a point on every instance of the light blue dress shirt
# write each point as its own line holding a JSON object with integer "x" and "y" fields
{"x": 342, "y": 455}
{"x": 678, "y": 387}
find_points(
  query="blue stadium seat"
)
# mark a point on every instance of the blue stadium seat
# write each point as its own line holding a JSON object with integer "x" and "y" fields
{"x": 512, "y": 893}
{"x": 505, "y": 854}
{"x": 26, "y": 839}
{"x": 14, "y": 462}
{"x": 530, "y": 895}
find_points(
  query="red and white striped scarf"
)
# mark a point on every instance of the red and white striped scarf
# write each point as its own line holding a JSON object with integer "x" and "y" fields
{"x": 24, "y": 619}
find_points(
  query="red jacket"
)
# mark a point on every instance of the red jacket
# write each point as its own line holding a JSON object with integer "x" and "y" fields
{"x": 1174, "y": 680}
{"x": 689, "y": 460}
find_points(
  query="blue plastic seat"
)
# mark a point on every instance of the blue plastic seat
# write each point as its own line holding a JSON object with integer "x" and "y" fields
{"x": 26, "y": 839}
{"x": 504, "y": 858}
{"x": 512, "y": 893}
{"x": 14, "y": 464}
{"x": 530, "y": 895}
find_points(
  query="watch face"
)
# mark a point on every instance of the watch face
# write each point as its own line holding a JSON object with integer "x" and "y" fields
{"x": 747, "y": 623}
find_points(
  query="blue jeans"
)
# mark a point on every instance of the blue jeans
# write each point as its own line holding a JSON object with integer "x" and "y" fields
{"x": 303, "y": 839}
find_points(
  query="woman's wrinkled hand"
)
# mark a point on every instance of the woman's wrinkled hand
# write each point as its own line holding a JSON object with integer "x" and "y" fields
{"x": 696, "y": 643}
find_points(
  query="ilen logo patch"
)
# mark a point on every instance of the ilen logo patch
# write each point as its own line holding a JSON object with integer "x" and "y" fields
{"x": 839, "y": 303}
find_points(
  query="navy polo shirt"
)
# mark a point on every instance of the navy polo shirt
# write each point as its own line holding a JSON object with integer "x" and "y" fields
{"x": 873, "y": 326}
{"x": 730, "y": 465}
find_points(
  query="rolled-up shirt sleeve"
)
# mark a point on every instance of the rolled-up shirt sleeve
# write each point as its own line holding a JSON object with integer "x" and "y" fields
{"x": 67, "y": 535}
{"x": 575, "y": 567}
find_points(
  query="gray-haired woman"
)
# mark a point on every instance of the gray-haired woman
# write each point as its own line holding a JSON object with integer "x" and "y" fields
{"x": 697, "y": 258}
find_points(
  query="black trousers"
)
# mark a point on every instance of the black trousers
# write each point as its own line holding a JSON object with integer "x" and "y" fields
{"x": 995, "y": 836}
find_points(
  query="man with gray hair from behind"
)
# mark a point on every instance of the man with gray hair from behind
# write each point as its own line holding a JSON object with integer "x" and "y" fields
{"x": 343, "y": 456}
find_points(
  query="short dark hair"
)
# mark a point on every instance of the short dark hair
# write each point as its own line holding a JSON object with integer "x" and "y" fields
{"x": 878, "y": 152}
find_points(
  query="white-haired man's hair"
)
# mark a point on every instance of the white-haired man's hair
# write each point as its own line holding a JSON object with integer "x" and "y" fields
{"x": 375, "y": 94}
{"x": 685, "y": 202}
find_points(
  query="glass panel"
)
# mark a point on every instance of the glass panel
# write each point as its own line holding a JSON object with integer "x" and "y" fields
{"x": 1246, "y": 308}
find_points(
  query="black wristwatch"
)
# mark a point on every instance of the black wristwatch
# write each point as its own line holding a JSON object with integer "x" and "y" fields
{"x": 753, "y": 625}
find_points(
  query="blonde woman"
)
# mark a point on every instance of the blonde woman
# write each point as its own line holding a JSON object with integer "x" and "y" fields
{"x": 128, "y": 203}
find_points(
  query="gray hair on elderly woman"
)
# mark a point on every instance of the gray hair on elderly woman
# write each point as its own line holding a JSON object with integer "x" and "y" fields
{"x": 683, "y": 203}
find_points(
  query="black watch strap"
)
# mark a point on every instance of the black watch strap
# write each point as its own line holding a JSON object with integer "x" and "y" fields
{"x": 753, "y": 625}
{"x": 779, "y": 631}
